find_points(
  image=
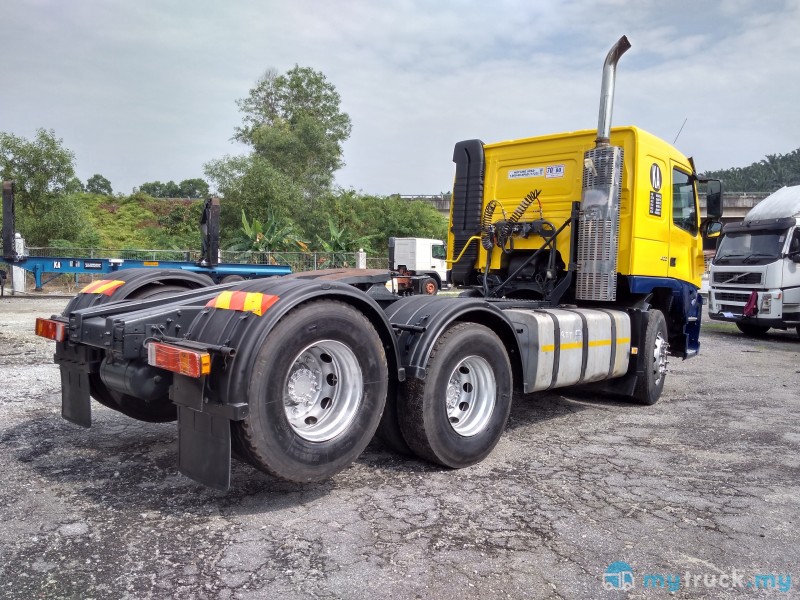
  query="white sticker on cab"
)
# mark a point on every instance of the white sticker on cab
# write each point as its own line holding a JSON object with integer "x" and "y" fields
{"x": 526, "y": 173}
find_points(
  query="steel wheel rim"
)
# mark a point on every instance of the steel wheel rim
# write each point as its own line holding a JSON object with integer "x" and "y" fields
{"x": 660, "y": 350}
{"x": 323, "y": 390}
{"x": 471, "y": 396}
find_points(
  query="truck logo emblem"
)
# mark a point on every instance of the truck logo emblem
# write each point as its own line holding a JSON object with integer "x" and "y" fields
{"x": 655, "y": 177}
{"x": 735, "y": 278}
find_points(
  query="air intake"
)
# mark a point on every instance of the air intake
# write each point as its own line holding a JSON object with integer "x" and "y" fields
{"x": 598, "y": 233}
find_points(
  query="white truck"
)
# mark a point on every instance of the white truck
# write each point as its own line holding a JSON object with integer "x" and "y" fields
{"x": 418, "y": 265}
{"x": 755, "y": 275}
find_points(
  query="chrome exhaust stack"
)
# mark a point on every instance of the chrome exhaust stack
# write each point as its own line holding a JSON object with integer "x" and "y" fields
{"x": 598, "y": 223}
{"x": 607, "y": 90}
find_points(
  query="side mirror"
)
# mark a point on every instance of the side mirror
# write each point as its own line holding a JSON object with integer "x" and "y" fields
{"x": 714, "y": 199}
{"x": 710, "y": 229}
{"x": 795, "y": 257}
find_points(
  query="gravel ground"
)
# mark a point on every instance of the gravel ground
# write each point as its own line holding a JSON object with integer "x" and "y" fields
{"x": 703, "y": 483}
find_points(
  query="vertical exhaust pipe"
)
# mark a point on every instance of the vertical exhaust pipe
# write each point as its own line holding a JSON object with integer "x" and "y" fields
{"x": 598, "y": 223}
{"x": 607, "y": 90}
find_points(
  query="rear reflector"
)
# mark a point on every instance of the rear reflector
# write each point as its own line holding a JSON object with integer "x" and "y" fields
{"x": 50, "y": 329}
{"x": 191, "y": 363}
{"x": 104, "y": 286}
{"x": 253, "y": 302}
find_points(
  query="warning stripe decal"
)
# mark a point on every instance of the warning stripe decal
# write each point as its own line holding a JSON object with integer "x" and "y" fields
{"x": 104, "y": 286}
{"x": 253, "y": 302}
{"x": 577, "y": 345}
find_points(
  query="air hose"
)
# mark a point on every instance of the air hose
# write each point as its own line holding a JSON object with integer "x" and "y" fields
{"x": 486, "y": 225}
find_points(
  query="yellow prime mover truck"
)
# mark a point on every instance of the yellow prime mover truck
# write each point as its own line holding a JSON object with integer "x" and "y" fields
{"x": 579, "y": 256}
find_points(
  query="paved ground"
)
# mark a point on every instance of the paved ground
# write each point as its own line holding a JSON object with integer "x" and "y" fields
{"x": 703, "y": 483}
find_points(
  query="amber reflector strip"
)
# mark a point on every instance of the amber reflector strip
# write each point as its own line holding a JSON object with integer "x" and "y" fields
{"x": 104, "y": 286}
{"x": 253, "y": 302}
{"x": 191, "y": 363}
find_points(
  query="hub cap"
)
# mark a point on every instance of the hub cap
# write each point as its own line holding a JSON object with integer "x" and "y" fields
{"x": 471, "y": 396}
{"x": 323, "y": 391}
{"x": 660, "y": 352}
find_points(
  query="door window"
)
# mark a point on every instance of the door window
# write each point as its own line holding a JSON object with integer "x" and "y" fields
{"x": 684, "y": 207}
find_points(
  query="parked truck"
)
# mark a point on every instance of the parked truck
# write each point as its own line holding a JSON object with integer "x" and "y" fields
{"x": 580, "y": 255}
{"x": 418, "y": 265}
{"x": 755, "y": 275}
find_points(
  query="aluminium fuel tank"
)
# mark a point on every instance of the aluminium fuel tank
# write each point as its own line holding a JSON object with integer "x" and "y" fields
{"x": 568, "y": 346}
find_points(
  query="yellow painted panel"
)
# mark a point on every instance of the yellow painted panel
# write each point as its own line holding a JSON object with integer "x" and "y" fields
{"x": 554, "y": 165}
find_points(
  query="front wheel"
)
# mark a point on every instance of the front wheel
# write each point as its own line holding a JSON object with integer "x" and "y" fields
{"x": 752, "y": 330}
{"x": 456, "y": 415}
{"x": 656, "y": 349}
{"x": 316, "y": 393}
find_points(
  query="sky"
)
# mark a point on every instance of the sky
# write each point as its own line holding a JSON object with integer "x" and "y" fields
{"x": 146, "y": 90}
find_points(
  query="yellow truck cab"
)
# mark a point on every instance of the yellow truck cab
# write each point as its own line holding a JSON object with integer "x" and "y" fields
{"x": 648, "y": 247}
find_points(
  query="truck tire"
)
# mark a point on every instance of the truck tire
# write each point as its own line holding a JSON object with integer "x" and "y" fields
{"x": 158, "y": 410}
{"x": 316, "y": 393}
{"x": 231, "y": 278}
{"x": 752, "y": 330}
{"x": 389, "y": 433}
{"x": 430, "y": 287}
{"x": 798, "y": 330}
{"x": 656, "y": 348}
{"x": 456, "y": 415}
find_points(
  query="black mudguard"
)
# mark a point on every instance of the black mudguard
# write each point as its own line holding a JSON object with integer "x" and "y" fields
{"x": 136, "y": 280}
{"x": 223, "y": 396}
{"x": 422, "y": 319}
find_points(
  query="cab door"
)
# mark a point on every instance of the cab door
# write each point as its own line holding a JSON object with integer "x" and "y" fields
{"x": 684, "y": 242}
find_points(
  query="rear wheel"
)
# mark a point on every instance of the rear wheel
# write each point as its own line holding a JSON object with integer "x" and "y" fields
{"x": 430, "y": 287}
{"x": 316, "y": 393}
{"x": 656, "y": 350}
{"x": 456, "y": 415}
{"x": 231, "y": 278}
{"x": 752, "y": 330}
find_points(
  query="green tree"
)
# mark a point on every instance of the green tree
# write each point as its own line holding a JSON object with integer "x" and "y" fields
{"x": 767, "y": 175}
{"x": 192, "y": 188}
{"x": 294, "y": 121}
{"x": 253, "y": 185}
{"x": 156, "y": 189}
{"x": 271, "y": 236}
{"x": 97, "y": 184}
{"x": 42, "y": 168}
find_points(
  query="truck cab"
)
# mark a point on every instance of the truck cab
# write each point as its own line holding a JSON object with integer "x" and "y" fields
{"x": 421, "y": 257}
{"x": 755, "y": 275}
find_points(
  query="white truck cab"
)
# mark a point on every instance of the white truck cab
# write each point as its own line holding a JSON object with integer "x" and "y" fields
{"x": 419, "y": 256}
{"x": 755, "y": 275}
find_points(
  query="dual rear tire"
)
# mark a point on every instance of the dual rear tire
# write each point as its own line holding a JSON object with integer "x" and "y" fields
{"x": 456, "y": 415}
{"x": 316, "y": 393}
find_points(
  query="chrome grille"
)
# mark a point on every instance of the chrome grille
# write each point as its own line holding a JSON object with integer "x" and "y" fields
{"x": 737, "y": 278}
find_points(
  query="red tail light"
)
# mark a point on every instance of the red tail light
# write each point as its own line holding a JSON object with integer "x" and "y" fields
{"x": 51, "y": 329}
{"x": 192, "y": 363}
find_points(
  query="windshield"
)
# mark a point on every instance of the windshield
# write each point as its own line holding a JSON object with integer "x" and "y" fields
{"x": 749, "y": 247}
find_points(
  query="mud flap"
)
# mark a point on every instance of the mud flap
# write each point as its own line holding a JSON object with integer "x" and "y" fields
{"x": 204, "y": 440}
{"x": 76, "y": 405}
